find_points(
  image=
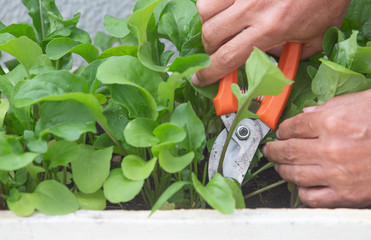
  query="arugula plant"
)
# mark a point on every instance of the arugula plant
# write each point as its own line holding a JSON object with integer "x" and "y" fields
{"x": 127, "y": 124}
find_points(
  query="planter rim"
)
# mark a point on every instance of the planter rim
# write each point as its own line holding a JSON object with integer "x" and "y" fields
{"x": 192, "y": 224}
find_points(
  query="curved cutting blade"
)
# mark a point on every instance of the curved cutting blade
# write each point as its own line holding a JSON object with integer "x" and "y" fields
{"x": 240, "y": 151}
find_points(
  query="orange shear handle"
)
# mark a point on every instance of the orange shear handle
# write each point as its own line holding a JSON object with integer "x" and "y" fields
{"x": 272, "y": 106}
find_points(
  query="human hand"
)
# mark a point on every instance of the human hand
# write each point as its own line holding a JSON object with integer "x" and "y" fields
{"x": 231, "y": 28}
{"x": 326, "y": 151}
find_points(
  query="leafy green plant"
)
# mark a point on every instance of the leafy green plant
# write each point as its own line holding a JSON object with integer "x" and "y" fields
{"x": 127, "y": 125}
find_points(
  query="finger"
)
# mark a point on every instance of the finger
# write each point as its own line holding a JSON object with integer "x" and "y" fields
{"x": 319, "y": 197}
{"x": 224, "y": 26}
{"x": 302, "y": 175}
{"x": 209, "y": 8}
{"x": 234, "y": 53}
{"x": 303, "y": 125}
{"x": 293, "y": 151}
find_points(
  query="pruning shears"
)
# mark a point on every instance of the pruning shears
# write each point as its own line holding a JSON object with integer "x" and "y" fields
{"x": 249, "y": 132}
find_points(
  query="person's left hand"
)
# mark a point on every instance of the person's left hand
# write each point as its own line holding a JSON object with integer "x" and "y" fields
{"x": 326, "y": 151}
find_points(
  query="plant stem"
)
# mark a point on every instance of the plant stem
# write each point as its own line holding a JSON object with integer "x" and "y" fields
{"x": 41, "y": 20}
{"x": 112, "y": 138}
{"x": 265, "y": 167}
{"x": 65, "y": 176}
{"x": 231, "y": 130}
{"x": 2, "y": 201}
{"x": 294, "y": 196}
{"x": 276, "y": 184}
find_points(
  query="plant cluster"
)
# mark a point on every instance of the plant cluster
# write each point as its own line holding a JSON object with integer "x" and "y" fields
{"x": 128, "y": 124}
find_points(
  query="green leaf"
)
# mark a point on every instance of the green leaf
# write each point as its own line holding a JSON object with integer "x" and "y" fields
{"x": 171, "y": 163}
{"x": 185, "y": 117}
{"x": 27, "y": 52}
{"x": 53, "y": 198}
{"x": 333, "y": 79}
{"x": 138, "y": 21}
{"x": 91, "y": 168}
{"x": 362, "y": 60}
{"x": 175, "y": 21}
{"x": 66, "y": 119}
{"x": 38, "y": 10}
{"x": 217, "y": 193}
{"x": 128, "y": 71}
{"x": 24, "y": 206}
{"x": 92, "y": 201}
{"x": 11, "y": 155}
{"x": 119, "y": 51}
{"x": 139, "y": 132}
{"x": 265, "y": 78}
{"x": 61, "y": 153}
{"x": 331, "y": 37}
{"x": 146, "y": 58}
{"x": 135, "y": 168}
{"x": 169, "y": 192}
{"x": 118, "y": 188}
{"x": 169, "y": 133}
{"x": 34, "y": 143}
{"x": 115, "y": 26}
{"x": 237, "y": 193}
{"x": 19, "y": 30}
{"x": 60, "y": 47}
{"x": 47, "y": 84}
{"x": 4, "y": 107}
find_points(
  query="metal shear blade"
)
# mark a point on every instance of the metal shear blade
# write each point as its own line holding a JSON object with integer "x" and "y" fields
{"x": 244, "y": 143}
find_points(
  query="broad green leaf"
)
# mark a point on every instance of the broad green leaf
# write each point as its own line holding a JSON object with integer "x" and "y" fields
{"x": 331, "y": 37}
{"x": 217, "y": 193}
{"x": 264, "y": 77}
{"x": 119, "y": 51}
{"x": 11, "y": 155}
{"x": 138, "y": 21}
{"x": 169, "y": 133}
{"x": 362, "y": 60}
{"x": 135, "y": 168}
{"x": 117, "y": 188}
{"x": 24, "y": 206}
{"x": 171, "y": 163}
{"x": 146, "y": 58}
{"x": 53, "y": 198}
{"x": 92, "y": 201}
{"x": 49, "y": 84}
{"x": 66, "y": 119}
{"x": 4, "y": 107}
{"x": 117, "y": 118}
{"x": 139, "y": 132}
{"x": 169, "y": 192}
{"x": 35, "y": 144}
{"x": 128, "y": 71}
{"x": 347, "y": 51}
{"x": 61, "y": 153}
{"x": 104, "y": 41}
{"x": 38, "y": 10}
{"x": 185, "y": 117}
{"x": 237, "y": 193}
{"x": 175, "y": 21}
{"x": 115, "y": 26}
{"x": 60, "y": 47}
{"x": 27, "y": 52}
{"x": 19, "y": 30}
{"x": 137, "y": 101}
{"x": 91, "y": 168}
{"x": 333, "y": 79}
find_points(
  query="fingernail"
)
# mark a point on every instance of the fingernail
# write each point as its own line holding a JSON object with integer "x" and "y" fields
{"x": 309, "y": 109}
{"x": 264, "y": 151}
{"x": 276, "y": 167}
{"x": 277, "y": 135}
{"x": 195, "y": 80}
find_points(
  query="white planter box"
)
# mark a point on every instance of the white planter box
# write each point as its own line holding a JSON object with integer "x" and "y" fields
{"x": 249, "y": 224}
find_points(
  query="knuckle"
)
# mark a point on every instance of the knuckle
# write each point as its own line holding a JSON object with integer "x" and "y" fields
{"x": 290, "y": 151}
{"x": 297, "y": 175}
{"x": 207, "y": 32}
{"x": 227, "y": 57}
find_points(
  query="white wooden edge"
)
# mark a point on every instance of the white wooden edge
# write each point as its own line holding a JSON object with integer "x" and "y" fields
{"x": 191, "y": 224}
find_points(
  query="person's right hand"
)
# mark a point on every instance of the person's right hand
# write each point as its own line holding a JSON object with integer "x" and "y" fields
{"x": 231, "y": 28}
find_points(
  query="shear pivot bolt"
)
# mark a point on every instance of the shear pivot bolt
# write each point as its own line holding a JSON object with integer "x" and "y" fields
{"x": 243, "y": 133}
